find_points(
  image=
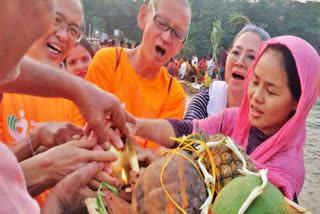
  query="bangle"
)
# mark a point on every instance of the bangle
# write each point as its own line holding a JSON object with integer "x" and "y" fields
{"x": 30, "y": 143}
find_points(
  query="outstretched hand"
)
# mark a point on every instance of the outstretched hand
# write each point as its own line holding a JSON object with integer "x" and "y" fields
{"x": 51, "y": 134}
{"x": 96, "y": 106}
{"x": 69, "y": 194}
{"x": 64, "y": 159}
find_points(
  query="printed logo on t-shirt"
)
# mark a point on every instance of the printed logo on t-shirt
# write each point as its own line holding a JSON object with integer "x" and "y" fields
{"x": 17, "y": 126}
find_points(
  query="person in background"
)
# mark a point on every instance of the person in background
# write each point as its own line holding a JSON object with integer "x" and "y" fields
{"x": 222, "y": 61}
{"x": 121, "y": 43}
{"x": 79, "y": 58}
{"x": 171, "y": 67}
{"x": 183, "y": 69}
{"x": 201, "y": 69}
{"x": 193, "y": 74}
{"x": 137, "y": 76}
{"x": 195, "y": 60}
{"x": 220, "y": 94}
{"x": 112, "y": 43}
{"x": 129, "y": 46}
{"x": 137, "y": 44}
{"x": 210, "y": 66}
{"x": 187, "y": 74}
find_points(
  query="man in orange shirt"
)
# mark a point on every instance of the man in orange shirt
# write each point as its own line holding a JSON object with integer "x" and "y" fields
{"x": 137, "y": 76}
{"x": 21, "y": 113}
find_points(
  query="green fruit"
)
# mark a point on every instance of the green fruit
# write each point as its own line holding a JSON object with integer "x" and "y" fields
{"x": 235, "y": 193}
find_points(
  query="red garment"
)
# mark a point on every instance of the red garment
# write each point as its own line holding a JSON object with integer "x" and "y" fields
{"x": 202, "y": 64}
{"x": 223, "y": 59}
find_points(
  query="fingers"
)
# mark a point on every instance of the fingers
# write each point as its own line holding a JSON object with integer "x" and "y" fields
{"x": 122, "y": 126}
{"x": 86, "y": 130}
{"x": 41, "y": 149}
{"x": 130, "y": 118}
{"x": 94, "y": 184}
{"x": 82, "y": 176}
{"x": 115, "y": 139}
{"x": 100, "y": 156}
{"x": 105, "y": 146}
{"x": 100, "y": 132}
{"x": 103, "y": 176}
{"x": 107, "y": 168}
{"x": 76, "y": 137}
{"x": 66, "y": 134}
{"x": 85, "y": 143}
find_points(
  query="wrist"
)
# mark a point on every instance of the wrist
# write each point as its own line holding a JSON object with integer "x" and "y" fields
{"x": 33, "y": 140}
{"x": 77, "y": 90}
{"x": 35, "y": 174}
{"x": 53, "y": 204}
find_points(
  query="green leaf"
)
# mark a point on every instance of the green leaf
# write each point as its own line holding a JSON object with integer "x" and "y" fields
{"x": 197, "y": 128}
{"x": 100, "y": 204}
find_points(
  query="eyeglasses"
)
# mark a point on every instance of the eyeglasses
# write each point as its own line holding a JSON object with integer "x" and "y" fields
{"x": 162, "y": 24}
{"x": 73, "y": 31}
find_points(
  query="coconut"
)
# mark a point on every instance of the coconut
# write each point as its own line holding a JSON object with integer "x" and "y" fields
{"x": 236, "y": 192}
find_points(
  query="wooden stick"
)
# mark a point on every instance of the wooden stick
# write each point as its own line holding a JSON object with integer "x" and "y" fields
{"x": 92, "y": 205}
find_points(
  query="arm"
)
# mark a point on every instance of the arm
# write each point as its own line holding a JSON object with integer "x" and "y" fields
{"x": 197, "y": 108}
{"x": 23, "y": 150}
{"x": 48, "y": 168}
{"x": 48, "y": 134}
{"x": 157, "y": 131}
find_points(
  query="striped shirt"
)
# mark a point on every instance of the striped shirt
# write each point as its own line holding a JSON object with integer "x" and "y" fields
{"x": 197, "y": 108}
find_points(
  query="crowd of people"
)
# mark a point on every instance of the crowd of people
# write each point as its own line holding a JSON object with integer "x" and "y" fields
{"x": 97, "y": 45}
{"x": 192, "y": 70}
{"x": 63, "y": 102}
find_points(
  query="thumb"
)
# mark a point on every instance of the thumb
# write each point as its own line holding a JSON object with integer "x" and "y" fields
{"x": 82, "y": 176}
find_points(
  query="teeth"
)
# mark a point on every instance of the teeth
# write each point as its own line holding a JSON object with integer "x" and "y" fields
{"x": 56, "y": 47}
{"x": 256, "y": 110}
{"x": 53, "y": 50}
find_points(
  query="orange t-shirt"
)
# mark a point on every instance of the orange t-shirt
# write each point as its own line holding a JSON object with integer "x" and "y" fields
{"x": 143, "y": 98}
{"x": 20, "y": 113}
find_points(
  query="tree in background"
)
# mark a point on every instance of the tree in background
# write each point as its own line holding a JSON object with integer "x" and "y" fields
{"x": 278, "y": 17}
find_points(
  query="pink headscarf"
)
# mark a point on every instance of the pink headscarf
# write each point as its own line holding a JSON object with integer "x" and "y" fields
{"x": 282, "y": 153}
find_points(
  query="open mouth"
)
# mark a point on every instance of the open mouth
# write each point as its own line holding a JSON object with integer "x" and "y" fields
{"x": 54, "y": 48}
{"x": 237, "y": 76}
{"x": 255, "y": 111}
{"x": 160, "y": 50}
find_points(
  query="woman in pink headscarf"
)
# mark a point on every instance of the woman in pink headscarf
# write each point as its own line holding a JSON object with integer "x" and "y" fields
{"x": 280, "y": 89}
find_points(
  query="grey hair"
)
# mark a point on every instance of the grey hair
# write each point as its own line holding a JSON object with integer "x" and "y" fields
{"x": 264, "y": 35}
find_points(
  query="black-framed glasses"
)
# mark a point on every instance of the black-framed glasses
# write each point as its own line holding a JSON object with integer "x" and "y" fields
{"x": 73, "y": 31}
{"x": 162, "y": 24}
